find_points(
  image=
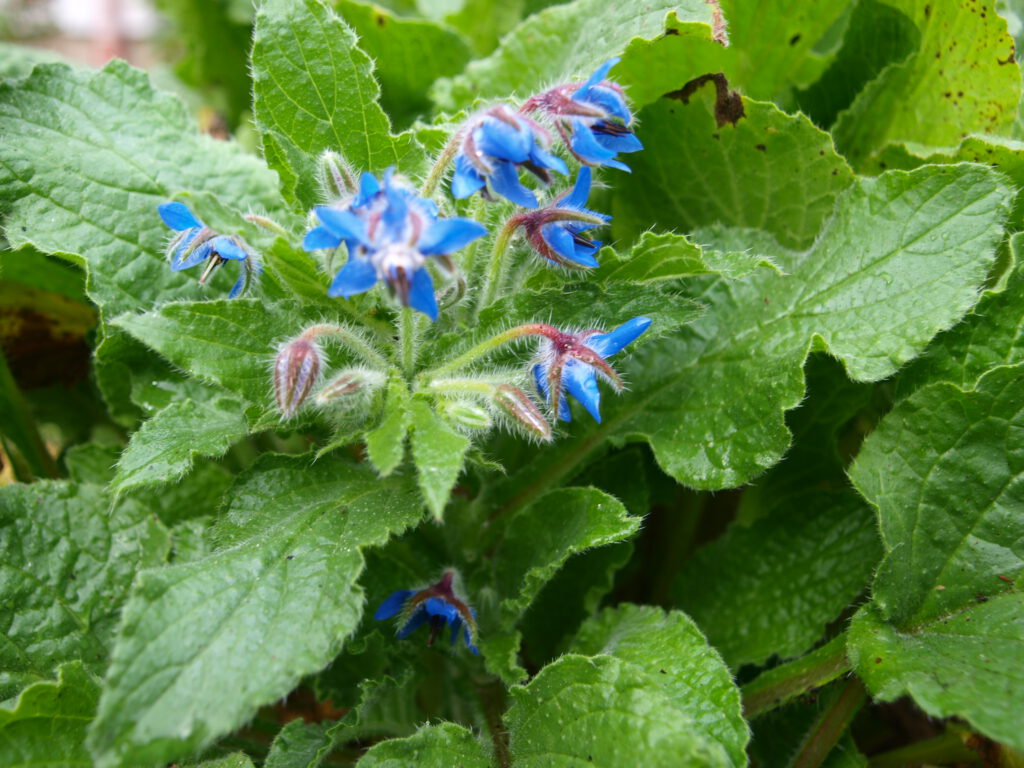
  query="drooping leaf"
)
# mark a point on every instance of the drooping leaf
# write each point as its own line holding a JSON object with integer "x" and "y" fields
{"x": 46, "y": 724}
{"x": 385, "y": 444}
{"x": 438, "y": 451}
{"x": 67, "y": 561}
{"x": 671, "y": 651}
{"x": 767, "y": 170}
{"x": 272, "y": 604}
{"x": 314, "y": 90}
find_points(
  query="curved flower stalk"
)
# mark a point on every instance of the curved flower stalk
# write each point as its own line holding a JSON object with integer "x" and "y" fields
{"x": 436, "y": 605}
{"x": 494, "y": 146}
{"x": 195, "y": 243}
{"x": 592, "y": 118}
{"x": 390, "y": 233}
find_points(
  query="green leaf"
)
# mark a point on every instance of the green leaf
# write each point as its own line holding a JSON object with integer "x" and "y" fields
{"x": 385, "y": 445}
{"x": 18, "y": 60}
{"x": 658, "y": 257}
{"x": 944, "y": 470}
{"x": 768, "y": 170}
{"x": 272, "y": 605}
{"x": 962, "y": 77}
{"x": 671, "y": 652}
{"x": 903, "y": 258}
{"x": 604, "y": 711}
{"x": 438, "y": 451}
{"x": 166, "y": 446}
{"x": 563, "y": 42}
{"x": 965, "y": 665}
{"x": 108, "y": 138}
{"x": 432, "y": 746}
{"x": 787, "y": 575}
{"x": 408, "y": 54}
{"x": 314, "y": 90}
{"x": 234, "y": 760}
{"x": 66, "y": 562}
{"x": 46, "y": 724}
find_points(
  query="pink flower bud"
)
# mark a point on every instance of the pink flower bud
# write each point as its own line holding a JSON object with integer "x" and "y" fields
{"x": 296, "y": 370}
{"x": 520, "y": 407}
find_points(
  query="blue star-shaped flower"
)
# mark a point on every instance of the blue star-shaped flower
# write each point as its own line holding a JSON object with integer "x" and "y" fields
{"x": 570, "y": 362}
{"x": 556, "y": 231}
{"x": 390, "y": 232}
{"x": 436, "y": 605}
{"x": 495, "y": 145}
{"x": 195, "y": 242}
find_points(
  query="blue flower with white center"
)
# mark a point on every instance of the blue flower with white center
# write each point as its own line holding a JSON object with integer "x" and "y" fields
{"x": 195, "y": 243}
{"x": 390, "y": 232}
{"x": 571, "y": 362}
{"x": 557, "y": 231}
{"x": 495, "y": 145}
{"x": 435, "y": 605}
{"x": 593, "y": 118}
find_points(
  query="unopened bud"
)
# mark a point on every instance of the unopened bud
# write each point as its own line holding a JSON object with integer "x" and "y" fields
{"x": 348, "y": 383}
{"x": 296, "y": 370}
{"x": 336, "y": 176}
{"x": 468, "y": 415}
{"x": 520, "y": 407}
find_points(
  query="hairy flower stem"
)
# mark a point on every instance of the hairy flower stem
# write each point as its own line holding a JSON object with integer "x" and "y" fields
{"x": 441, "y": 164}
{"x": 471, "y": 386}
{"x": 267, "y": 223}
{"x": 781, "y": 684}
{"x": 492, "y": 280}
{"x": 491, "y": 344}
{"x": 407, "y": 341}
{"x": 351, "y": 341}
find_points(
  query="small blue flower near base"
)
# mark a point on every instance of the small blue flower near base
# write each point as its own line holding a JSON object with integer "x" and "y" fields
{"x": 390, "y": 232}
{"x": 571, "y": 362}
{"x": 435, "y": 605}
{"x": 195, "y": 243}
{"x": 593, "y": 118}
{"x": 495, "y": 145}
{"x": 557, "y": 231}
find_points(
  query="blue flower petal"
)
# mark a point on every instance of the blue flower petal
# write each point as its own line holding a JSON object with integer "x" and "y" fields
{"x": 610, "y": 100}
{"x": 599, "y": 74}
{"x": 581, "y": 382}
{"x": 357, "y": 276}
{"x": 505, "y": 181}
{"x": 584, "y": 145}
{"x": 559, "y": 238}
{"x": 580, "y": 190}
{"x": 437, "y": 606}
{"x": 397, "y": 212}
{"x": 421, "y": 294}
{"x": 418, "y": 618}
{"x": 177, "y": 216}
{"x": 237, "y": 287}
{"x": 498, "y": 139}
{"x": 607, "y": 344}
{"x": 393, "y": 605}
{"x": 345, "y": 224}
{"x": 466, "y": 179}
{"x": 625, "y": 142}
{"x": 320, "y": 237}
{"x": 545, "y": 159}
{"x": 448, "y": 235}
{"x": 368, "y": 187}
{"x": 228, "y": 248}
{"x": 198, "y": 256}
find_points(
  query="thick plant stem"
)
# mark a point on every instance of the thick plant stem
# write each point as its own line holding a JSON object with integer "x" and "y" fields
{"x": 775, "y": 687}
{"x": 407, "y": 341}
{"x": 437, "y": 171}
{"x": 830, "y": 725}
{"x": 349, "y": 339}
{"x": 492, "y": 280}
{"x": 946, "y": 749}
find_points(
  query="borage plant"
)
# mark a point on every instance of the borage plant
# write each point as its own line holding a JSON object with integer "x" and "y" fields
{"x": 414, "y": 470}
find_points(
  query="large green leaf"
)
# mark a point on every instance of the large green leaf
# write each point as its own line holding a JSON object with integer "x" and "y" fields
{"x": 567, "y": 41}
{"x": 314, "y": 90}
{"x": 903, "y": 258}
{"x": 963, "y": 77}
{"x": 273, "y": 603}
{"x": 46, "y": 724}
{"x": 66, "y": 562}
{"x": 768, "y": 170}
{"x": 165, "y": 447}
{"x": 86, "y": 159}
{"x": 408, "y": 54}
{"x": 945, "y": 469}
{"x": 671, "y": 651}
{"x": 433, "y": 746}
